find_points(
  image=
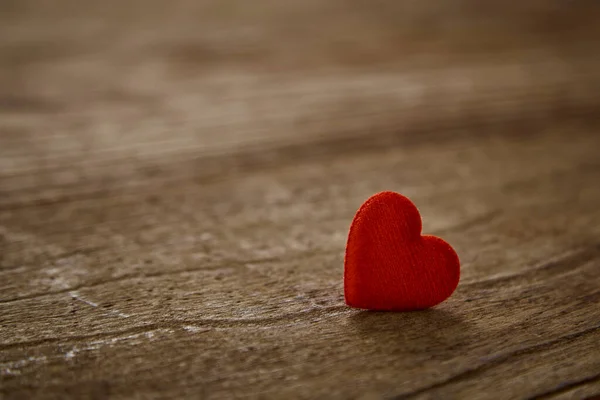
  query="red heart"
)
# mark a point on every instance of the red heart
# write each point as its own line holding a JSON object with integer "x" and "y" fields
{"x": 389, "y": 265}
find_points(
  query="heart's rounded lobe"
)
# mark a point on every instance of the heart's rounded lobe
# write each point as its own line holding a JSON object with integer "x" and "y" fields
{"x": 389, "y": 265}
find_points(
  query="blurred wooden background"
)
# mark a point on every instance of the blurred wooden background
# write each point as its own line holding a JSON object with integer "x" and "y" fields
{"x": 177, "y": 180}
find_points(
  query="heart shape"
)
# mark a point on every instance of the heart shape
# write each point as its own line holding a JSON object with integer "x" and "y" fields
{"x": 389, "y": 265}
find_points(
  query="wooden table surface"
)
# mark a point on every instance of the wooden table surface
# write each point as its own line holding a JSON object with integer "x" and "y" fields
{"x": 177, "y": 180}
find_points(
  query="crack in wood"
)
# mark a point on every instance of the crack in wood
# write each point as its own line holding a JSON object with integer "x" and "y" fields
{"x": 567, "y": 386}
{"x": 498, "y": 360}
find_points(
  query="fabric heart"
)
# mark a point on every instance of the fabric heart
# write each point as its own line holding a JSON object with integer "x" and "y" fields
{"x": 389, "y": 265}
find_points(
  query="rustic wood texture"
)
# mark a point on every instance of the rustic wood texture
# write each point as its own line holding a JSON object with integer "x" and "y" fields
{"x": 177, "y": 180}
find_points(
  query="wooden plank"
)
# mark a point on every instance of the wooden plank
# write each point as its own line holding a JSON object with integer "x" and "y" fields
{"x": 174, "y": 202}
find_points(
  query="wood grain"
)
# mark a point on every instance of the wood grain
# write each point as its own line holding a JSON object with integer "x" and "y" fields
{"x": 177, "y": 180}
